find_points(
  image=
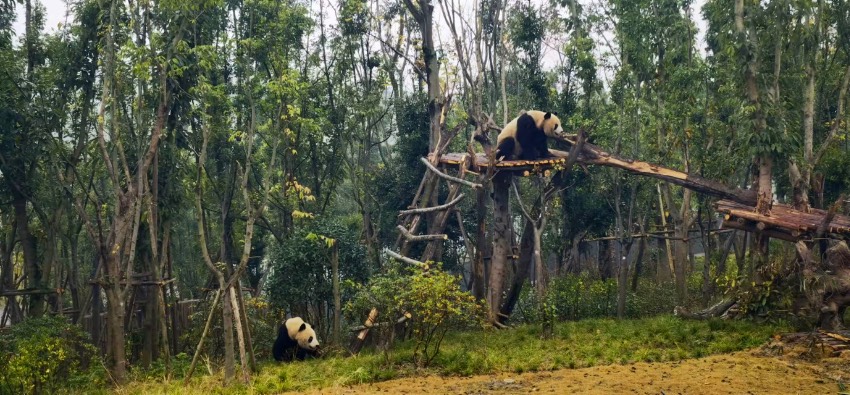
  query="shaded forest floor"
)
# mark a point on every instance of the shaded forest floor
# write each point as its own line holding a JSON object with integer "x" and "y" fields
{"x": 608, "y": 356}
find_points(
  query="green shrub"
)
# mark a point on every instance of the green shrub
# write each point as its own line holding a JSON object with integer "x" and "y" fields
{"x": 300, "y": 282}
{"x": 431, "y": 297}
{"x": 48, "y": 355}
{"x": 579, "y": 296}
{"x": 436, "y": 304}
{"x": 262, "y": 319}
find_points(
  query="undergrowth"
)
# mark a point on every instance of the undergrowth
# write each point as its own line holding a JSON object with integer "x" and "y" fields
{"x": 574, "y": 345}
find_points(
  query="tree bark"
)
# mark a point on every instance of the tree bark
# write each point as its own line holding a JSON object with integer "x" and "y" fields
{"x": 763, "y": 161}
{"x": 479, "y": 285}
{"x": 31, "y": 266}
{"x": 638, "y": 263}
{"x": 523, "y": 267}
{"x": 423, "y": 14}
{"x": 337, "y": 329}
{"x": 501, "y": 241}
{"x": 243, "y": 358}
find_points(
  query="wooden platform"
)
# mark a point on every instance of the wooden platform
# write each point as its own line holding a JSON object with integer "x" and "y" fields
{"x": 480, "y": 162}
{"x": 783, "y": 221}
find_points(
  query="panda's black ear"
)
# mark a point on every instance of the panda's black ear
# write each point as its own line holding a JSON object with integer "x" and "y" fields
{"x": 556, "y": 114}
{"x": 548, "y": 115}
{"x": 303, "y": 327}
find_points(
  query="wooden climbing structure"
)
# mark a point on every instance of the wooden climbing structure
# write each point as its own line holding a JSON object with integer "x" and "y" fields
{"x": 495, "y": 255}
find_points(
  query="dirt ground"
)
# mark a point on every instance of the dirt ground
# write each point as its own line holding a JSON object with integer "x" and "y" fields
{"x": 746, "y": 372}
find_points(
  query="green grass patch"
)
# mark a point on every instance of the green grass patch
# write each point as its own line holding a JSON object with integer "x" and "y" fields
{"x": 575, "y": 345}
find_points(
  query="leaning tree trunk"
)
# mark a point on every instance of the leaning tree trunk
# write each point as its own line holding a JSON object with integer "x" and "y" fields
{"x": 526, "y": 250}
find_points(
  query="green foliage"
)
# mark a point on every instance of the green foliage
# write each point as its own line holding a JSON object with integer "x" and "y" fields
{"x": 577, "y": 297}
{"x": 262, "y": 320}
{"x": 397, "y": 181}
{"x": 574, "y": 345}
{"x": 301, "y": 266}
{"x": 431, "y": 297}
{"x": 437, "y": 304}
{"x": 47, "y": 355}
{"x": 526, "y": 28}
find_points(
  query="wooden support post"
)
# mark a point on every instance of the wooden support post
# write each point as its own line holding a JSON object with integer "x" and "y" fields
{"x": 501, "y": 241}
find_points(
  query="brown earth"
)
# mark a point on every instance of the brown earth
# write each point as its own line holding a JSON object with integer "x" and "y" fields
{"x": 746, "y": 372}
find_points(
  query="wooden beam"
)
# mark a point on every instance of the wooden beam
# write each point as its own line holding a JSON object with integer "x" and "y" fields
{"x": 448, "y": 177}
{"x": 751, "y": 227}
{"x": 432, "y": 209}
{"x": 23, "y": 292}
{"x": 404, "y": 258}
{"x": 593, "y": 155}
{"x": 410, "y": 237}
{"x": 795, "y": 223}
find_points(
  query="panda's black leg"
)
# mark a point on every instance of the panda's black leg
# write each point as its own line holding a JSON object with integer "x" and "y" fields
{"x": 300, "y": 354}
{"x": 505, "y": 149}
{"x": 541, "y": 147}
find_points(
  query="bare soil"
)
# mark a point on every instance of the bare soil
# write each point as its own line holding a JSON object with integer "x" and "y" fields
{"x": 746, "y": 372}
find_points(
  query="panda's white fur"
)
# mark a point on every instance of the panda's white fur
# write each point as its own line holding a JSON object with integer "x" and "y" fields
{"x": 524, "y": 137}
{"x": 302, "y": 333}
{"x": 297, "y": 339}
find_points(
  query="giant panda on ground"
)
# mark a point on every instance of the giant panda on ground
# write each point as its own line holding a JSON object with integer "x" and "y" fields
{"x": 295, "y": 338}
{"x": 525, "y": 136}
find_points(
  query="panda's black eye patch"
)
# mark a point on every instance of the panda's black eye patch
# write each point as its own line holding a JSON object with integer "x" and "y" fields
{"x": 310, "y": 339}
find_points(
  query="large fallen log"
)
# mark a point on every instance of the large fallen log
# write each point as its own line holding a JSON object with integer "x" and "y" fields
{"x": 784, "y": 222}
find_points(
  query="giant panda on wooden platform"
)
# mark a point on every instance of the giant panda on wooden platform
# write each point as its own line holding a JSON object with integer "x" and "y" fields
{"x": 296, "y": 339}
{"x": 525, "y": 136}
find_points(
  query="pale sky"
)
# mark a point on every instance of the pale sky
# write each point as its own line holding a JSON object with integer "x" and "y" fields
{"x": 57, "y": 10}
{"x": 54, "y": 15}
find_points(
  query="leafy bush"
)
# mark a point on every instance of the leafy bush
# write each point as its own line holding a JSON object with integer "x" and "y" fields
{"x": 382, "y": 293}
{"x": 47, "y": 355}
{"x": 262, "y": 320}
{"x": 580, "y": 296}
{"x": 436, "y": 303}
{"x": 432, "y": 298}
{"x": 301, "y": 269}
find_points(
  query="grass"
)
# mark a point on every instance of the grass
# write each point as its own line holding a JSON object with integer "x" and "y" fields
{"x": 575, "y": 345}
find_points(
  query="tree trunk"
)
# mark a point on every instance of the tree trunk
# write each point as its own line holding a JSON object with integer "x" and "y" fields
{"x": 243, "y": 358}
{"x": 638, "y": 263}
{"x": 337, "y": 329}
{"x": 115, "y": 325}
{"x": 479, "y": 285}
{"x": 8, "y": 280}
{"x": 764, "y": 162}
{"x": 31, "y": 267}
{"x": 501, "y": 240}
{"x": 667, "y": 273}
{"x": 96, "y": 305}
{"x": 622, "y": 276}
{"x": 523, "y": 267}
{"x": 227, "y": 326}
{"x": 423, "y": 13}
